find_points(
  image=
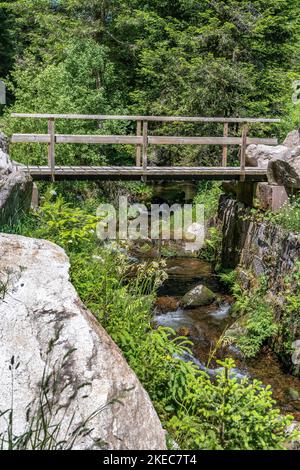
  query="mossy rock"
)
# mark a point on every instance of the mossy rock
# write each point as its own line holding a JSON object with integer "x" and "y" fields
{"x": 293, "y": 394}
{"x": 198, "y": 297}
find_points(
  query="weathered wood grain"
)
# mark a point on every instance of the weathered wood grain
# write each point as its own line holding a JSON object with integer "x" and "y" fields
{"x": 143, "y": 118}
{"x": 225, "y": 147}
{"x": 138, "y": 140}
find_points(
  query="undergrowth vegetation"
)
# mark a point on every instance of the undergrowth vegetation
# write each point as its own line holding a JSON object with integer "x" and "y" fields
{"x": 288, "y": 216}
{"x": 255, "y": 322}
{"x": 197, "y": 413}
{"x": 208, "y": 195}
{"x": 261, "y": 318}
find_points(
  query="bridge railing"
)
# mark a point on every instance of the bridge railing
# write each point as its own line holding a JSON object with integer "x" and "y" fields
{"x": 142, "y": 139}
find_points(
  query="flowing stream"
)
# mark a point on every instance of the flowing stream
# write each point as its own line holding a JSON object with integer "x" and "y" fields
{"x": 206, "y": 325}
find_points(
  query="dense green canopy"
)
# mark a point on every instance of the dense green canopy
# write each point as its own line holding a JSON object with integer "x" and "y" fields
{"x": 192, "y": 57}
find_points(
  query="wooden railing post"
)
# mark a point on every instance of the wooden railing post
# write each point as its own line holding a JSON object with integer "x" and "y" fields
{"x": 243, "y": 151}
{"x": 225, "y": 147}
{"x": 145, "y": 146}
{"x": 139, "y": 147}
{"x": 51, "y": 147}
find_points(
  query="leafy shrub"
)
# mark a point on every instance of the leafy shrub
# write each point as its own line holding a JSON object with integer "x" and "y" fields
{"x": 65, "y": 225}
{"x": 259, "y": 326}
{"x": 208, "y": 195}
{"x": 256, "y": 322}
{"x": 288, "y": 311}
{"x": 288, "y": 216}
{"x": 212, "y": 248}
{"x": 228, "y": 415}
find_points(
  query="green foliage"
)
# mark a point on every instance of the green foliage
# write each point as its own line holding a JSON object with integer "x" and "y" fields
{"x": 259, "y": 326}
{"x": 188, "y": 403}
{"x": 153, "y": 57}
{"x": 209, "y": 195}
{"x": 289, "y": 311}
{"x": 137, "y": 190}
{"x": 228, "y": 415}
{"x": 212, "y": 248}
{"x": 7, "y": 43}
{"x": 198, "y": 413}
{"x": 229, "y": 279}
{"x": 65, "y": 225}
{"x": 256, "y": 320}
{"x": 261, "y": 319}
{"x": 288, "y": 216}
{"x": 81, "y": 82}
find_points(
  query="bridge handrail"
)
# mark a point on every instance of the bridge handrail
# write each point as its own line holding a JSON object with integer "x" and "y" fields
{"x": 102, "y": 117}
{"x": 142, "y": 140}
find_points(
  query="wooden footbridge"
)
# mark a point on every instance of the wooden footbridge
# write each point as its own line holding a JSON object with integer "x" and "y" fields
{"x": 142, "y": 140}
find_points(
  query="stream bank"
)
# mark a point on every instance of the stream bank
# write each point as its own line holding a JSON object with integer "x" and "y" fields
{"x": 261, "y": 250}
{"x": 206, "y": 325}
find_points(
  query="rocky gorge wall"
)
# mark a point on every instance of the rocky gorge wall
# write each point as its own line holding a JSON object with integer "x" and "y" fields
{"x": 256, "y": 246}
{"x": 260, "y": 248}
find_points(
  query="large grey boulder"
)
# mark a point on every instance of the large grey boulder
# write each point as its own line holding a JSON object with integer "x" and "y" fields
{"x": 261, "y": 155}
{"x": 6, "y": 166}
{"x": 282, "y": 161}
{"x": 198, "y": 297}
{"x": 294, "y": 159}
{"x": 45, "y": 327}
{"x": 284, "y": 173}
{"x": 292, "y": 139}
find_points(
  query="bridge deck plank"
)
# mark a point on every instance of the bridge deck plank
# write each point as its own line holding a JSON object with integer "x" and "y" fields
{"x": 71, "y": 172}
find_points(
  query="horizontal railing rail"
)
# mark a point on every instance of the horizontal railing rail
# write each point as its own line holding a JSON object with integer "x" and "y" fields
{"x": 101, "y": 117}
{"x": 133, "y": 140}
{"x": 142, "y": 140}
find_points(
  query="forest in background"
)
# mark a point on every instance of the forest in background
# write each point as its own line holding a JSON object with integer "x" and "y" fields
{"x": 167, "y": 57}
